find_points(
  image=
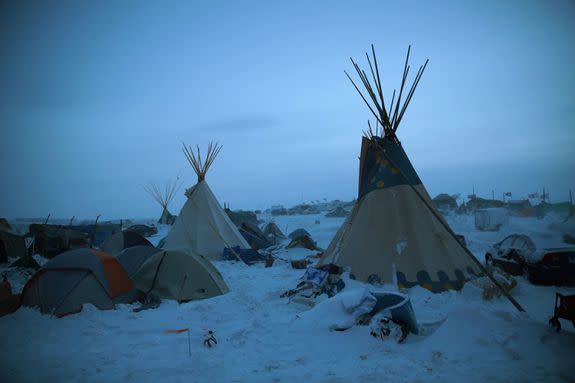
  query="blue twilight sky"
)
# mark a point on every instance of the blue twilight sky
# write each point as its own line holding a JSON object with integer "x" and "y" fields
{"x": 97, "y": 97}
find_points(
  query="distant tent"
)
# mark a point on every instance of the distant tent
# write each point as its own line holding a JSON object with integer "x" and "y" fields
{"x": 123, "y": 240}
{"x": 202, "y": 225}
{"x": 393, "y": 232}
{"x": 445, "y": 202}
{"x": 254, "y": 236}
{"x": 272, "y": 229}
{"x": 134, "y": 257}
{"x": 179, "y": 275}
{"x": 338, "y": 212}
{"x": 273, "y": 233}
{"x": 11, "y": 246}
{"x": 164, "y": 197}
{"x": 74, "y": 278}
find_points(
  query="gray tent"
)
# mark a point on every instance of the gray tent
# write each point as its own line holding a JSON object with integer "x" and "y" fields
{"x": 179, "y": 275}
{"x": 134, "y": 257}
{"x": 74, "y": 278}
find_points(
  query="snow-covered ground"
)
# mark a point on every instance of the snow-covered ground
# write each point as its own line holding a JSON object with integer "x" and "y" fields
{"x": 265, "y": 338}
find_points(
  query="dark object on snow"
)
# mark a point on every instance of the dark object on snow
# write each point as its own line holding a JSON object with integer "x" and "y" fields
{"x": 304, "y": 241}
{"x": 399, "y": 307}
{"x": 331, "y": 268}
{"x": 517, "y": 254}
{"x": 254, "y": 236}
{"x": 143, "y": 230}
{"x": 337, "y": 212}
{"x": 210, "y": 339}
{"x": 8, "y": 302}
{"x": 11, "y": 246}
{"x": 123, "y": 240}
{"x": 269, "y": 261}
{"x": 26, "y": 261}
{"x": 564, "y": 308}
{"x": 4, "y": 225}
{"x": 299, "y": 264}
{"x": 388, "y": 327}
{"x": 249, "y": 256}
{"x": 298, "y": 233}
{"x": 149, "y": 302}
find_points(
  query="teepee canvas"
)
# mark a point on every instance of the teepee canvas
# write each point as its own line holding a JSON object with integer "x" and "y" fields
{"x": 164, "y": 196}
{"x": 202, "y": 224}
{"x": 393, "y": 233}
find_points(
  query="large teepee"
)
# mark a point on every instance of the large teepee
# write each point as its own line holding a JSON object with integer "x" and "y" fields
{"x": 202, "y": 224}
{"x": 164, "y": 196}
{"x": 393, "y": 233}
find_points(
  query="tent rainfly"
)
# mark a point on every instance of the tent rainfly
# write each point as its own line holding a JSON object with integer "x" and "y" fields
{"x": 164, "y": 197}
{"x": 202, "y": 225}
{"x": 394, "y": 234}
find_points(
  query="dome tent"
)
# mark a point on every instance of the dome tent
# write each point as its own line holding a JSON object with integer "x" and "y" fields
{"x": 74, "y": 278}
{"x": 180, "y": 275}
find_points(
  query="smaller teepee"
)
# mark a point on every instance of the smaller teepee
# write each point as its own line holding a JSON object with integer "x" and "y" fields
{"x": 164, "y": 196}
{"x": 202, "y": 225}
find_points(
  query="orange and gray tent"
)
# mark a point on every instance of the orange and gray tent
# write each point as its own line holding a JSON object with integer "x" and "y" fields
{"x": 123, "y": 240}
{"x": 393, "y": 234}
{"x": 75, "y": 278}
{"x": 179, "y": 275}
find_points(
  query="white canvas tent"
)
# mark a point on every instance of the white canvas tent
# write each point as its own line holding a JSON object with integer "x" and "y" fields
{"x": 202, "y": 225}
{"x": 394, "y": 234}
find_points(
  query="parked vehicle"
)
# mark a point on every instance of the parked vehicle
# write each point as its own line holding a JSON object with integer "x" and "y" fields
{"x": 517, "y": 254}
{"x": 491, "y": 219}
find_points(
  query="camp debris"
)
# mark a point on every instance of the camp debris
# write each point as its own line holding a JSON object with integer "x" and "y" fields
{"x": 4, "y": 225}
{"x": 75, "y": 278}
{"x": 27, "y": 262}
{"x": 202, "y": 225}
{"x": 325, "y": 279}
{"x": 179, "y": 275}
{"x": 164, "y": 196}
{"x": 51, "y": 240}
{"x": 123, "y": 240}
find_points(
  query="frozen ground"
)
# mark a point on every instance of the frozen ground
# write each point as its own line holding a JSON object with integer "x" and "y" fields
{"x": 265, "y": 338}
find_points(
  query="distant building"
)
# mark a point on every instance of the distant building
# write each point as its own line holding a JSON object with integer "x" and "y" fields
{"x": 520, "y": 208}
